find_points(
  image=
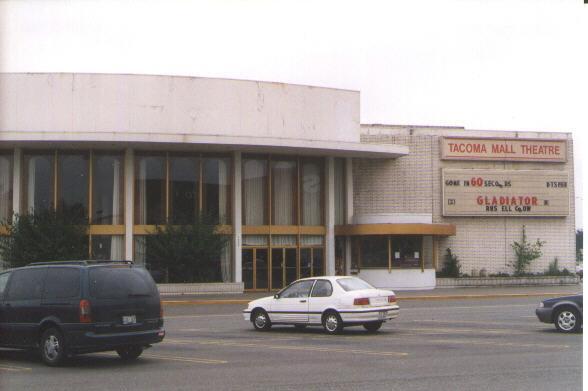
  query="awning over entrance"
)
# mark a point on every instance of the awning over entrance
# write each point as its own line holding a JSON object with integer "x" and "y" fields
{"x": 395, "y": 229}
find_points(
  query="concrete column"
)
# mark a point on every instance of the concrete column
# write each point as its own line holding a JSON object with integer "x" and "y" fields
{"x": 330, "y": 215}
{"x": 348, "y": 209}
{"x": 129, "y": 178}
{"x": 237, "y": 224}
{"x": 16, "y": 181}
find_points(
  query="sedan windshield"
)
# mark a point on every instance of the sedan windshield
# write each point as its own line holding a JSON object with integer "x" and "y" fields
{"x": 353, "y": 284}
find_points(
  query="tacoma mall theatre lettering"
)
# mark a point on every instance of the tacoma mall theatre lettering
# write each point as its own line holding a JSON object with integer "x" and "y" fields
{"x": 500, "y": 192}
{"x": 546, "y": 150}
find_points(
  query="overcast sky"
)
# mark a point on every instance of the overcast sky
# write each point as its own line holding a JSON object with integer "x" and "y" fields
{"x": 496, "y": 65}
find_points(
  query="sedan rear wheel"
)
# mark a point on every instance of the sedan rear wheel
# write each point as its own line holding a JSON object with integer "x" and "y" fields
{"x": 567, "y": 320}
{"x": 372, "y": 327}
{"x": 332, "y": 322}
{"x": 261, "y": 320}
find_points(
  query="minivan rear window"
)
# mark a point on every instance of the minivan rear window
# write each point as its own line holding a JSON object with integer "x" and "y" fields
{"x": 118, "y": 283}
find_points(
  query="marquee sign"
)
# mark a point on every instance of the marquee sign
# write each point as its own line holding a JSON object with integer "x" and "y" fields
{"x": 533, "y": 150}
{"x": 505, "y": 193}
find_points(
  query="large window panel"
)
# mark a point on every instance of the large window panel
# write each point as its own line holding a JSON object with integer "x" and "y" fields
{"x": 407, "y": 251}
{"x": 216, "y": 188}
{"x": 5, "y": 186}
{"x": 254, "y": 191}
{"x": 107, "y": 189}
{"x": 184, "y": 191}
{"x": 73, "y": 184}
{"x": 38, "y": 181}
{"x": 284, "y": 173}
{"x": 311, "y": 185}
{"x": 374, "y": 251}
{"x": 150, "y": 190}
{"x": 108, "y": 247}
{"x": 340, "y": 192}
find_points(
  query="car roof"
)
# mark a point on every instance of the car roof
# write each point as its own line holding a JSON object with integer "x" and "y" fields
{"x": 330, "y": 278}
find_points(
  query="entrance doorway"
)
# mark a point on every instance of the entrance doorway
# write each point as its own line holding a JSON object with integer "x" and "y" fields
{"x": 255, "y": 268}
{"x": 284, "y": 269}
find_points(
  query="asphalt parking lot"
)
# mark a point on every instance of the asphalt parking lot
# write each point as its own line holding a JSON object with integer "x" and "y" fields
{"x": 451, "y": 344}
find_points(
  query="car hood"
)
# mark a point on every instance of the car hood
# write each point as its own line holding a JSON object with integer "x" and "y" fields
{"x": 260, "y": 302}
{"x": 563, "y": 298}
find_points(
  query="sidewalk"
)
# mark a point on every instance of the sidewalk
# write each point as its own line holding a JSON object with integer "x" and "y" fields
{"x": 435, "y": 294}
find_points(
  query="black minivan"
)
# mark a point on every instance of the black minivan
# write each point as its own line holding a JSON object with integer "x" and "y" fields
{"x": 67, "y": 308}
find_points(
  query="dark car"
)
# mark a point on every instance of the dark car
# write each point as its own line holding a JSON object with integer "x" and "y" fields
{"x": 67, "y": 308}
{"x": 564, "y": 312}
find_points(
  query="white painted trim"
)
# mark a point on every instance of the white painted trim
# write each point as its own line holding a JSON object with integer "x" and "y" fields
{"x": 129, "y": 202}
{"x": 16, "y": 180}
{"x": 237, "y": 213}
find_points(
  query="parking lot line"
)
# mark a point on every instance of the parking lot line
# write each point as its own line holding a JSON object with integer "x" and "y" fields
{"x": 13, "y": 368}
{"x": 174, "y": 358}
{"x": 497, "y": 343}
{"x": 288, "y": 347}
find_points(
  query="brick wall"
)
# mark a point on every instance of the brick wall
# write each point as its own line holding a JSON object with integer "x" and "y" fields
{"x": 412, "y": 184}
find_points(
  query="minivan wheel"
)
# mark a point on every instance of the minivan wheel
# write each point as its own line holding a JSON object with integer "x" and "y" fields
{"x": 128, "y": 353}
{"x": 52, "y": 347}
{"x": 332, "y": 322}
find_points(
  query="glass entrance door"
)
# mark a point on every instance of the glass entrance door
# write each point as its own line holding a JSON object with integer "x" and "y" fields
{"x": 312, "y": 262}
{"x": 255, "y": 268}
{"x": 283, "y": 267}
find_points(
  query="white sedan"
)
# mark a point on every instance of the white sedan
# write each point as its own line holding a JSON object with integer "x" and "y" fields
{"x": 333, "y": 302}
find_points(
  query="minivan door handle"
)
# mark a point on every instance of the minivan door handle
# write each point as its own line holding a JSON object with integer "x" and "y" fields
{"x": 303, "y": 301}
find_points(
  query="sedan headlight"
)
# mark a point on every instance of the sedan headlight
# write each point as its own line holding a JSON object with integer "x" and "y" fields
{"x": 541, "y": 305}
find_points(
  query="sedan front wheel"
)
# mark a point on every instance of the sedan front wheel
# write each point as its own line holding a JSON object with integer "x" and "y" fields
{"x": 261, "y": 320}
{"x": 332, "y": 322}
{"x": 567, "y": 320}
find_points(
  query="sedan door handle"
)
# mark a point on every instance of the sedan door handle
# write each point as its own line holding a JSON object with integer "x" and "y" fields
{"x": 303, "y": 301}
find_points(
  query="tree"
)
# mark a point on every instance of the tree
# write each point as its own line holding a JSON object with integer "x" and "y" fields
{"x": 451, "y": 266}
{"x": 186, "y": 253}
{"x": 45, "y": 235}
{"x": 525, "y": 253}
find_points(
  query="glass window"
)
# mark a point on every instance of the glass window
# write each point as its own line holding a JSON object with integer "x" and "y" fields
{"x": 119, "y": 283}
{"x": 3, "y": 281}
{"x": 312, "y": 192}
{"x": 26, "y": 284}
{"x": 5, "y": 187}
{"x": 374, "y": 251}
{"x": 106, "y": 247}
{"x": 353, "y": 284}
{"x": 255, "y": 240}
{"x": 38, "y": 181}
{"x": 62, "y": 283}
{"x": 216, "y": 189}
{"x": 254, "y": 191}
{"x": 73, "y": 184}
{"x": 407, "y": 251}
{"x": 297, "y": 290}
{"x": 150, "y": 190}
{"x": 340, "y": 192}
{"x": 107, "y": 189}
{"x": 184, "y": 174}
{"x": 284, "y": 175}
{"x": 322, "y": 288}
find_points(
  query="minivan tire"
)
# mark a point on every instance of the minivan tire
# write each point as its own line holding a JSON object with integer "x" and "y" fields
{"x": 129, "y": 353}
{"x": 52, "y": 347}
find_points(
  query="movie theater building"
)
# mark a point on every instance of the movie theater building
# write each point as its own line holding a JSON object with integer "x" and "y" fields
{"x": 293, "y": 179}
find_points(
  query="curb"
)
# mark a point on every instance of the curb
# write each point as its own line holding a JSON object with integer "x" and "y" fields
{"x": 445, "y": 297}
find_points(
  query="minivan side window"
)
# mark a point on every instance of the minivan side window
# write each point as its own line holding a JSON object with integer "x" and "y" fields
{"x": 62, "y": 283}
{"x": 3, "y": 282}
{"x": 26, "y": 284}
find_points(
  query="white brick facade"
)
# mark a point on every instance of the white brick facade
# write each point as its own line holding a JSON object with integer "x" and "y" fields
{"x": 412, "y": 184}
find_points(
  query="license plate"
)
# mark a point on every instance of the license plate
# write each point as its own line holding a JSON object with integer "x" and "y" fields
{"x": 129, "y": 319}
{"x": 379, "y": 301}
{"x": 382, "y": 315}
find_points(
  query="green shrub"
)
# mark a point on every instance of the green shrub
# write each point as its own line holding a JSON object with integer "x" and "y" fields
{"x": 186, "y": 253}
{"x": 45, "y": 235}
{"x": 525, "y": 253}
{"x": 451, "y": 266}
